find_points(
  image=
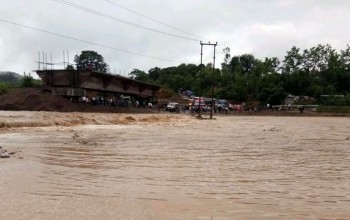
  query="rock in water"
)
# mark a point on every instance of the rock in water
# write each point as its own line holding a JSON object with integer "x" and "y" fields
{"x": 4, "y": 155}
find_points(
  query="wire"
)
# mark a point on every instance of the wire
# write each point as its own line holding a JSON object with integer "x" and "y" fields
{"x": 159, "y": 22}
{"x": 84, "y": 41}
{"x": 120, "y": 20}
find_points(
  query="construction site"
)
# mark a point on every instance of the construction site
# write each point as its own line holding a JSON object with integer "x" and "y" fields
{"x": 64, "y": 91}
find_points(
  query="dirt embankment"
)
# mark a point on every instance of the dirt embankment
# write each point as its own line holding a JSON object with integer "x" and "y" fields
{"x": 165, "y": 96}
{"x": 34, "y": 100}
{"x": 31, "y": 99}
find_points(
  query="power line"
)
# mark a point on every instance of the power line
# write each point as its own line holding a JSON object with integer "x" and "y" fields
{"x": 120, "y": 20}
{"x": 149, "y": 18}
{"x": 84, "y": 41}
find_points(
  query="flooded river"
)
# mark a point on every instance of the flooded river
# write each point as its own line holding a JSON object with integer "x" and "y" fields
{"x": 156, "y": 167}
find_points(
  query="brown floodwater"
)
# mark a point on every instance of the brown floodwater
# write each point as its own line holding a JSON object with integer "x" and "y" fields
{"x": 162, "y": 168}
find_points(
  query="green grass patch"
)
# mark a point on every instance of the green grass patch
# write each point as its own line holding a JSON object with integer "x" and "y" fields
{"x": 336, "y": 109}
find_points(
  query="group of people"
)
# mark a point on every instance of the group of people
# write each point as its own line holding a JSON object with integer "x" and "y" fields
{"x": 143, "y": 105}
{"x": 113, "y": 101}
{"x": 105, "y": 101}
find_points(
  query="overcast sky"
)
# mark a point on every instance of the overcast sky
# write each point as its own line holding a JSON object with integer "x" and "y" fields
{"x": 265, "y": 28}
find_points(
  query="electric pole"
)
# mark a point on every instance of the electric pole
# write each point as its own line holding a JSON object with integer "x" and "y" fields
{"x": 213, "y": 76}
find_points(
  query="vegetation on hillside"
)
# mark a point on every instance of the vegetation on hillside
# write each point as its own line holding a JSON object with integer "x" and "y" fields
{"x": 320, "y": 70}
{"x": 9, "y": 80}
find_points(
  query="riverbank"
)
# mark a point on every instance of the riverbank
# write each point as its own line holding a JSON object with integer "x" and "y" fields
{"x": 31, "y": 99}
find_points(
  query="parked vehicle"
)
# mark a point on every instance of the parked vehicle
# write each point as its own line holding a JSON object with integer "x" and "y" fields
{"x": 173, "y": 107}
{"x": 222, "y": 105}
{"x": 198, "y": 103}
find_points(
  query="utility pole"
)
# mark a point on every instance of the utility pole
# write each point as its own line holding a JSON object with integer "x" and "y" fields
{"x": 213, "y": 76}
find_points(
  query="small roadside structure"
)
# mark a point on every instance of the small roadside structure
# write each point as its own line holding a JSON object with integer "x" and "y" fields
{"x": 289, "y": 100}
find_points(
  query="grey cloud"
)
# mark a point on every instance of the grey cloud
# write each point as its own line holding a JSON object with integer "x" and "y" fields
{"x": 265, "y": 28}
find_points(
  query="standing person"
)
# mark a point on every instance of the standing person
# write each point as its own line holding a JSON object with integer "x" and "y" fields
{"x": 110, "y": 101}
{"x": 137, "y": 104}
{"x": 183, "y": 108}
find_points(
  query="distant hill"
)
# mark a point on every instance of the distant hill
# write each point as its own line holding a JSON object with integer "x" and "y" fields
{"x": 11, "y": 78}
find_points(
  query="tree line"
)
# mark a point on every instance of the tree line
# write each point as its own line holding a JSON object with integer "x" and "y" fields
{"x": 320, "y": 70}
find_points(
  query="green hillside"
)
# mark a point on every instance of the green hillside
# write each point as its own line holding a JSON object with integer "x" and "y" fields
{"x": 10, "y": 78}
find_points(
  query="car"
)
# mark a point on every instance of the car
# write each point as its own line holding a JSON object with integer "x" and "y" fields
{"x": 173, "y": 107}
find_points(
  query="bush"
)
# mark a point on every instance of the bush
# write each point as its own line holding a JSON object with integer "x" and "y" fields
{"x": 335, "y": 100}
{"x": 27, "y": 80}
{"x": 336, "y": 109}
{"x": 4, "y": 88}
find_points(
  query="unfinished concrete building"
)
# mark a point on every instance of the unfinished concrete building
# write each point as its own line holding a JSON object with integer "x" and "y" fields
{"x": 92, "y": 83}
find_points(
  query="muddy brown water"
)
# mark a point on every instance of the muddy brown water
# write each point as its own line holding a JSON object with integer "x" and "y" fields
{"x": 228, "y": 168}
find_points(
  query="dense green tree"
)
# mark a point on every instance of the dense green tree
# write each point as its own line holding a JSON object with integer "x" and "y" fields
{"x": 316, "y": 59}
{"x": 292, "y": 61}
{"x": 345, "y": 57}
{"x": 139, "y": 75}
{"x": 154, "y": 73}
{"x": 248, "y": 63}
{"x": 90, "y": 60}
{"x": 70, "y": 67}
{"x": 235, "y": 65}
{"x": 227, "y": 56}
